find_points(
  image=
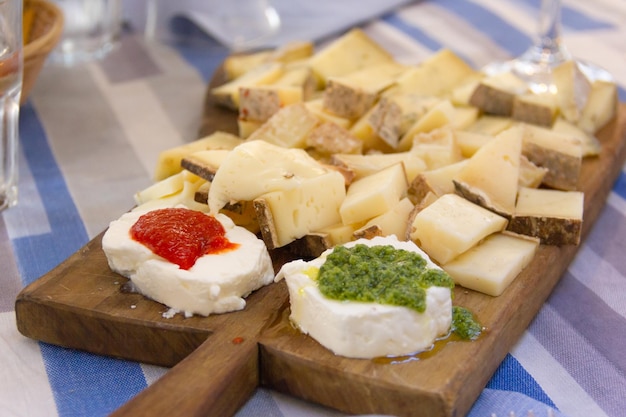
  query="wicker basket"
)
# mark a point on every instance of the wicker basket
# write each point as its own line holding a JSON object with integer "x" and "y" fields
{"x": 43, "y": 26}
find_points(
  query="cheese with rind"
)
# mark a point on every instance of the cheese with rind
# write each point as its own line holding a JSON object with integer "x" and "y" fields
{"x": 258, "y": 167}
{"x": 491, "y": 175}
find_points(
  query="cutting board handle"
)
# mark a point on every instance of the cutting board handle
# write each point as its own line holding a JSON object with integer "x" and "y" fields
{"x": 216, "y": 379}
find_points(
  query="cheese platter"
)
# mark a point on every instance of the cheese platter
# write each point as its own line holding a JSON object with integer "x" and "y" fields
{"x": 82, "y": 304}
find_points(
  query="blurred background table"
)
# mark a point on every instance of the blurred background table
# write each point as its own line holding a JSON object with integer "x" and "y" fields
{"x": 90, "y": 136}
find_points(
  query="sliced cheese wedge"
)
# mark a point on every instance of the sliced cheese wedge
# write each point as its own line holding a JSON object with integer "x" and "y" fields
{"x": 492, "y": 265}
{"x": 364, "y": 165}
{"x": 451, "y": 225}
{"x": 169, "y": 159}
{"x": 436, "y": 181}
{"x": 394, "y": 222}
{"x": 491, "y": 175}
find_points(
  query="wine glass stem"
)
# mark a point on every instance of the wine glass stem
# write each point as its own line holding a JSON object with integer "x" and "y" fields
{"x": 550, "y": 29}
{"x": 548, "y": 48}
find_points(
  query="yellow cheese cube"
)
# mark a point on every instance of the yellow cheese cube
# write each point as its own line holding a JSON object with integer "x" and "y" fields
{"x": 374, "y": 195}
{"x": 452, "y": 225}
{"x": 491, "y": 266}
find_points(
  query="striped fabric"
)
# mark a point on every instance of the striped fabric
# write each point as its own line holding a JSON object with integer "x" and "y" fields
{"x": 90, "y": 136}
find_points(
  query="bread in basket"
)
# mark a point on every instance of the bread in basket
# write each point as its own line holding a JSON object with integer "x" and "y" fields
{"x": 42, "y": 27}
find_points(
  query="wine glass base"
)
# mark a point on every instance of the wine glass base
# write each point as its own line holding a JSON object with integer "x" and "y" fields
{"x": 535, "y": 68}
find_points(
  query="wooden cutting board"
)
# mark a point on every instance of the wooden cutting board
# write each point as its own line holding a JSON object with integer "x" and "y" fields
{"x": 217, "y": 362}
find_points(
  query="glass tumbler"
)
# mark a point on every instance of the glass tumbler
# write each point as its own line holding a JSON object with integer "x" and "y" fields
{"x": 11, "y": 65}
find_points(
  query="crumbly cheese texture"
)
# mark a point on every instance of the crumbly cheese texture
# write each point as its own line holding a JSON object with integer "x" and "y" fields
{"x": 365, "y": 330}
{"x": 217, "y": 283}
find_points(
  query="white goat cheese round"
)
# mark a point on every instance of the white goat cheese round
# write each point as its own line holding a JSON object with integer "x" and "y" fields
{"x": 361, "y": 329}
{"x": 216, "y": 283}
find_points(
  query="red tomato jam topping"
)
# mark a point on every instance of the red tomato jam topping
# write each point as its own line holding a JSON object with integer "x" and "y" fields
{"x": 181, "y": 235}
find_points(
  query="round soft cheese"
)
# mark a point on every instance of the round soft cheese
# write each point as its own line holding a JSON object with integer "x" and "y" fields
{"x": 365, "y": 330}
{"x": 216, "y": 283}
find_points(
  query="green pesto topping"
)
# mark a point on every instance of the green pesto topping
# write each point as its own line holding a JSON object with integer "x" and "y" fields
{"x": 381, "y": 274}
{"x": 464, "y": 324}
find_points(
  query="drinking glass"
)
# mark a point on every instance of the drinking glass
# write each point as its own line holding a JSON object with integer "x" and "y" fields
{"x": 547, "y": 52}
{"x": 11, "y": 64}
{"x": 90, "y": 31}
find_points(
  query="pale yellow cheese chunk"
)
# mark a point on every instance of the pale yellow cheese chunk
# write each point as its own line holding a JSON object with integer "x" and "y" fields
{"x": 169, "y": 159}
{"x": 491, "y": 175}
{"x": 364, "y": 165}
{"x": 451, "y": 225}
{"x": 550, "y": 203}
{"x": 298, "y": 211}
{"x": 492, "y": 265}
{"x": 441, "y": 114}
{"x": 228, "y": 94}
{"x": 257, "y": 167}
{"x": 600, "y": 108}
{"x": 288, "y": 127}
{"x": 374, "y": 195}
{"x": 572, "y": 90}
{"x": 554, "y": 216}
{"x": 352, "y": 51}
{"x": 395, "y": 221}
{"x": 437, "y": 75}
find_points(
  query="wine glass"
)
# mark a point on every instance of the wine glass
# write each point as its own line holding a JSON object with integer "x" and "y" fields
{"x": 547, "y": 52}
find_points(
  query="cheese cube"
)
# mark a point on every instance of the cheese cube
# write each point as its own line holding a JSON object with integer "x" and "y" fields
{"x": 572, "y": 90}
{"x": 600, "y": 108}
{"x": 228, "y": 94}
{"x": 590, "y": 144}
{"x": 496, "y": 94}
{"x": 560, "y": 153}
{"x": 262, "y": 102}
{"x": 439, "y": 115}
{"x": 470, "y": 142}
{"x": 493, "y": 264}
{"x": 365, "y": 165}
{"x": 394, "y": 114}
{"x": 316, "y": 107}
{"x": 374, "y": 195}
{"x": 393, "y": 222}
{"x": 288, "y": 127}
{"x": 490, "y": 125}
{"x": 491, "y": 175}
{"x": 437, "y": 147}
{"x": 352, "y": 95}
{"x": 553, "y": 216}
{"x": 437, "y": 75}
{"x": 451, "y": 225}
{"x": 170, "y": 159}
{"x": 436, "y": 181}
{"x": 538, "y": 109}
{"x": 352, "y": 51}
{"x": 287, "y": 215}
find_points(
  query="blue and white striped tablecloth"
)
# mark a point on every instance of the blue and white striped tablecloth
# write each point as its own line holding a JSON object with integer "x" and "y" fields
{"x": 90, "y": 136}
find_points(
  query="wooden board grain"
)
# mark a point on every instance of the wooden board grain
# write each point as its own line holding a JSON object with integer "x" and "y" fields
{"x": 82, "y": 304}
